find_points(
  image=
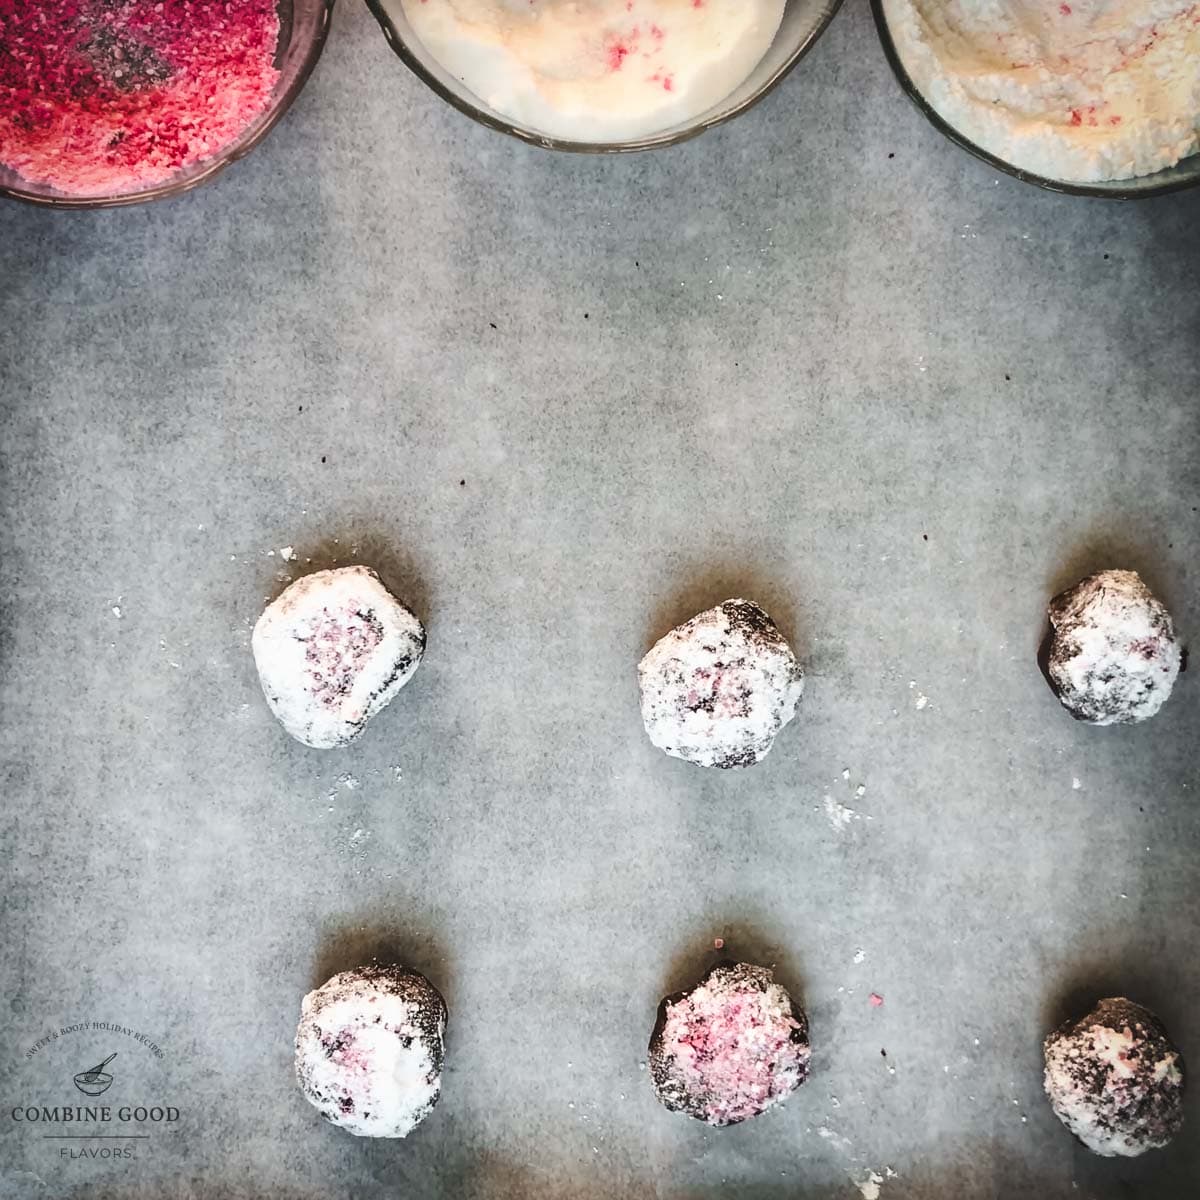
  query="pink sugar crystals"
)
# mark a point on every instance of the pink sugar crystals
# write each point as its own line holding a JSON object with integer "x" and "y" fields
{"x": 730, "y": 1048}
{"x": 107, "y": 96}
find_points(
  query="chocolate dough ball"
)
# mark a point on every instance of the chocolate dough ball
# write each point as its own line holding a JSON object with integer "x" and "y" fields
{"x": 1115, "y": 1079}
{"x": 370, "y": 1048}
{"x": 332, "y": 651}
{"x": 730, "y": 1048}
{"x": 717, "y": 690}
{"x": 1111, "y": 655}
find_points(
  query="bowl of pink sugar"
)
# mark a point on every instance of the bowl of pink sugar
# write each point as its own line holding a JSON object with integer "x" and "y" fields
{"x": 106, "y": 102}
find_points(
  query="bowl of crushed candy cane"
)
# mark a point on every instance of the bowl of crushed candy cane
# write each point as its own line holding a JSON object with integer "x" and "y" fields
{"x": 107, "y": 102}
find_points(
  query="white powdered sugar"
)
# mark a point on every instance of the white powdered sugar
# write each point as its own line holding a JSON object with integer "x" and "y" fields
{"x": 369, "y": 1050}
{"x": 717, "y": 690}
{"x": 871, "y": 1184}
{"x": 332, "y": 651}
{"x": 1075, "y": 90}
{"x": 1112, "y": 657}
{"x": 1116, "y": 1080}
{"x": 839, "y": 815}
{"x": 597, "y": 70}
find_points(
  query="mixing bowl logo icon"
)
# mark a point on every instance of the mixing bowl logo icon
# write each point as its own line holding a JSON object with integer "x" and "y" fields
{"x": 95, "y": 1081}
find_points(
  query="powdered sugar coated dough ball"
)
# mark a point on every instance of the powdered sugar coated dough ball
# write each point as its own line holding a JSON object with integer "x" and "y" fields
{"x": 369, "y": 1050}
{"x": 729, "y": 1049}
{"x": 717, "y": 690}
{"x": 1112, "y": 657}
{"x": 332, "y": 651}
{"x": 1115, "y": 1079}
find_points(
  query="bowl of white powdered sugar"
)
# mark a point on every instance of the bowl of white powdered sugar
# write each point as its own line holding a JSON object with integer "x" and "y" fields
{"x": 1090, "y": 97}
{"x": 602, "y": 76}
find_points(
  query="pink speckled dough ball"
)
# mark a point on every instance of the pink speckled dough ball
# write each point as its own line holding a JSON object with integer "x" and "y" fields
{"x": 717, "y": 690}
{"x": 333, "y": 651}
{"x": 1112, "y": 656}
{"x": 370, "y": 1049}
{"x": 729, "y": 1049}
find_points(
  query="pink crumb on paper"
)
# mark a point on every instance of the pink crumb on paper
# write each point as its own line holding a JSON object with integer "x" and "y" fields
{"x": 876, "y": 1000}
{"x": 112, "y": 95}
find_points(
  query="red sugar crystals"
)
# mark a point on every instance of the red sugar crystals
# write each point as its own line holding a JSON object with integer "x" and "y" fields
{"x": 108, "y": 96}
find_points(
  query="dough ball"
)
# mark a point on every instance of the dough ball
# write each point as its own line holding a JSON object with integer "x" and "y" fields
{"x": 719, "y": 688}
{"x": 332, "y": 651}
{"x": 729, "y": 1049}
{"x": 1111, "y": 656}
{"x": 1115, "y": 1079}
{"x": 369, "y": 1050}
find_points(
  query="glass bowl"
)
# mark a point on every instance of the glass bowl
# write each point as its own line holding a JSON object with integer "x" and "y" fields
{"x": 303, "y": 25}
{"x": 803, "y": 22}
{"x": 1184, "y": 174}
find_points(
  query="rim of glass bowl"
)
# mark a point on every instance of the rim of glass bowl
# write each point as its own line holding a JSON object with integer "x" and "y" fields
{"x": 1118, "y": 189}
{"x": 207, "y": 170}
{"x": 546, "y": 142}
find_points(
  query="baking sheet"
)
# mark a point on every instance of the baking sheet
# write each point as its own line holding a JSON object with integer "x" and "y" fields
{"x": 562, "y": 403}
